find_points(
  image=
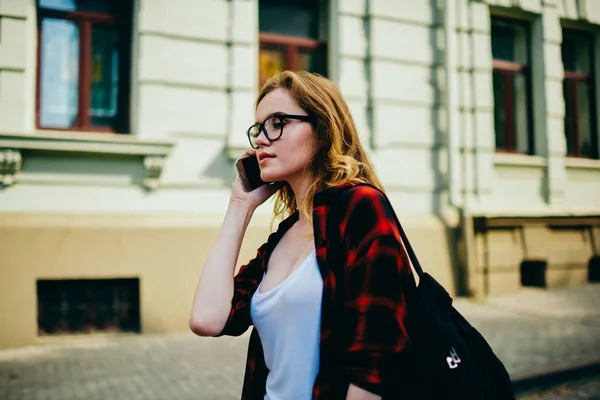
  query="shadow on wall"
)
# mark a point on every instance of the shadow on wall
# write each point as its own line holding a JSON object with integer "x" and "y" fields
{"x": 221, "y": 167}
{"x": 594, "y": 269}
{"x": 440, "y": 135}
{"x": 440, "y": 129}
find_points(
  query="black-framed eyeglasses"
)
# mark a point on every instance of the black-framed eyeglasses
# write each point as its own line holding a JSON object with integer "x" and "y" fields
{"x": 272, "y": 127}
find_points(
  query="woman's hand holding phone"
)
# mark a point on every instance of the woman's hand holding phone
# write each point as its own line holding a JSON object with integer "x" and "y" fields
{"x": 256, "y": 197}
{"x": 212, "y": 301}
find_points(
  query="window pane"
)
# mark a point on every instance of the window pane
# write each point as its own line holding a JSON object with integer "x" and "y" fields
{"x": 521, "y": 113}
{"x": 576, "y": 52}
{"x": 569, "y": 112}
{"x": 104, "y": 77}
{"x": 59, "y": 78}
{"x": 511, "y": 111}
{"x": 292, "y": 17}
{"x": 579, "y": 122}
{"x": 272, "y": 60}
{"x": 103, "y": 6}
{"x": 509, "y": 41}
{"x": 584, "y": 116}
{"x": 312, "y": 61}
{"x": 499, "y": 112}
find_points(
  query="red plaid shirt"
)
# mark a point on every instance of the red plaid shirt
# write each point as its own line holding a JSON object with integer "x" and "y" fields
{"x": 363, "y": 316}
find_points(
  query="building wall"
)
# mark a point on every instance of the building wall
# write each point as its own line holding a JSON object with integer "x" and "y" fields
{"x": 77, "y": 215}
{"x": 547, "y": 183}
{"x": 16, "y": 54}
{"x": 390, "y": 67}
{"x": 514, "y": 188}
{"x": 544, "y": 252}
{"x": 165, "y": 252}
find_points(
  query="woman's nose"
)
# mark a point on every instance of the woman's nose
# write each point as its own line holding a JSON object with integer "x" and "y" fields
{"x": 261, "y": 139}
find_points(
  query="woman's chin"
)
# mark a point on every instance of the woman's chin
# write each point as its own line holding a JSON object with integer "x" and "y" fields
{"x": 266, "y": 177}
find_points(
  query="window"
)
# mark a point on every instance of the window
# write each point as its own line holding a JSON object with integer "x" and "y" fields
{"x": 512, "y": 86}
{"x": 88, "y": 305}
{"x": 578, "y": 89}
{"x": 83, "y": 64}
{"x": 291, "y": 37}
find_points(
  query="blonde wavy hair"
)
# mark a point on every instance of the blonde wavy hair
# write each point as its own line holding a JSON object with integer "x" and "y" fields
{"x": 339, "y": 156}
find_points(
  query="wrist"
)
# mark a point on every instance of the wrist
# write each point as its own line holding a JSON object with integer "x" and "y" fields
{"x": 242, "y": 208}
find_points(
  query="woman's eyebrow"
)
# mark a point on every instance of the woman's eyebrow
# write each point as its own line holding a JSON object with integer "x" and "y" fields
{"x": 272, "y": 114}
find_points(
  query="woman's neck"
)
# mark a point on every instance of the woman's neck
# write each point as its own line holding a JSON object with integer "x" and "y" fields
{"x": 300, "y": 188}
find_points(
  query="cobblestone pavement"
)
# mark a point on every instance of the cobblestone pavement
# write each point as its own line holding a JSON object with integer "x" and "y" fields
{"x": 531, "y": 330}
{"x": 587, "y": 390}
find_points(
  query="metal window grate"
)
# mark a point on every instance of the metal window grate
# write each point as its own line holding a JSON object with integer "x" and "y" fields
{"x": 88, "y": 305}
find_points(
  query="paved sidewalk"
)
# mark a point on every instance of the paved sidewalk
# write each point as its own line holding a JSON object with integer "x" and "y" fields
{"x": 589, "y": 390}
{"x": 532, "y": 330}
{"x": 536, "y": 329}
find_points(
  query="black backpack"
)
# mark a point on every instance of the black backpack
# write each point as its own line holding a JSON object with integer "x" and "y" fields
{"x": 447, "y": 358}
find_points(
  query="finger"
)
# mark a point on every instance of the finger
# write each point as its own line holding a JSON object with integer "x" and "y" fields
{"x": 249, "y": 152}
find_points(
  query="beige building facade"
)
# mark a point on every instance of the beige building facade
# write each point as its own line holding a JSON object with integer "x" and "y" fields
{"x": 120, "y": 123}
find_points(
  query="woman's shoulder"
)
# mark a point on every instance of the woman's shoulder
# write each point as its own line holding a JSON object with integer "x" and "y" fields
{"x": 364, "y": 191}
{"x": 345, "y": 194}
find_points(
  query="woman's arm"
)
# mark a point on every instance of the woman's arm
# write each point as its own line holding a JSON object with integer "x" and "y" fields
{"x": 220, "y": 299}
{"x": 212, "y": 300}
{"x": 376, "y": 268}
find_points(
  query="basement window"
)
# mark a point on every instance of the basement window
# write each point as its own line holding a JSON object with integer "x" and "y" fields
{"x": 533, "y": 273}
{"x": 88, "y": 305}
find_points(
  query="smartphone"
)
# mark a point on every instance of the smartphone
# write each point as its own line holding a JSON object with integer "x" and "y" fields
{"x": 249, "y": 172}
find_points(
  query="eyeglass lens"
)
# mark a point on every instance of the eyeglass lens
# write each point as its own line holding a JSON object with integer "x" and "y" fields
{"x": 273, "y": 127}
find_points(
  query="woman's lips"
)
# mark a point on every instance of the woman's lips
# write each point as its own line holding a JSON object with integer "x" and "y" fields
{"x": 263, "y": 158}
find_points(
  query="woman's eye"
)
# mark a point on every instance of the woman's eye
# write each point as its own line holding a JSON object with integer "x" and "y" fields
{"x": 278, "y": 124}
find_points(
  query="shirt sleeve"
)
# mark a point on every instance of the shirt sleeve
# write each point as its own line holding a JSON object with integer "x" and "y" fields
{"x": 245, "y": 283}
{"x": 376, "y": 268}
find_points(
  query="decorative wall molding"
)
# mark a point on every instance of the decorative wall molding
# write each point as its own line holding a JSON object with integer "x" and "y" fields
{"x": 153, "y": 167}
{"x": 10, "y": 166}
{"x": 14, "y": 150}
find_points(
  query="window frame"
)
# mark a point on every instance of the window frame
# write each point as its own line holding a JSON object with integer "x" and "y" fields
{"x": 86, "y": 21}
{"x": 509, "y": 69}
{"x": 293, "y": 45}
{"x": 570, "y": 81}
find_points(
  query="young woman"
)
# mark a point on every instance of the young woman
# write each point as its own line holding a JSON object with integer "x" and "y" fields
{"x": 324, "y": 292}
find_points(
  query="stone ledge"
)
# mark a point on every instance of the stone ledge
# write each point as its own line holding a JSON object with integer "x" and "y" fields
{"x": 558, "y": 214}
{"x": 519, "y": 160}
{"x": 544, "y": 220}
{"x": 84, "y": 142}
{"x": 154, "y": 153}
{"x": 582, "y": 163}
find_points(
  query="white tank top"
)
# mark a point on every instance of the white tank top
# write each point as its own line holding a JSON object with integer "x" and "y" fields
{"x": 288, "y": 321}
